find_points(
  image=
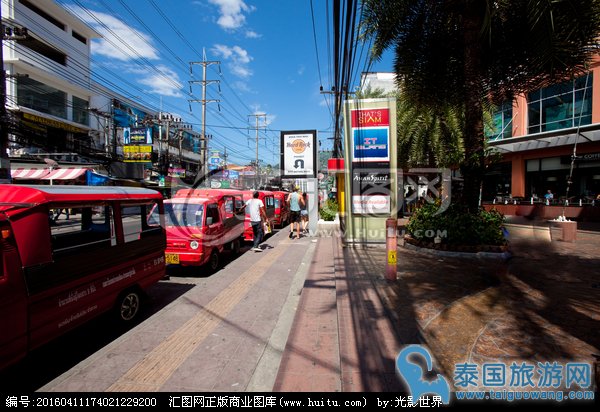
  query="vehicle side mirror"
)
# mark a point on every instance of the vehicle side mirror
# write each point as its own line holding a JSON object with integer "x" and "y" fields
{"x": 209, "y": 220}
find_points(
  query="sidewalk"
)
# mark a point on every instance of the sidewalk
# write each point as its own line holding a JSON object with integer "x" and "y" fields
{"x": 542, "y": 305}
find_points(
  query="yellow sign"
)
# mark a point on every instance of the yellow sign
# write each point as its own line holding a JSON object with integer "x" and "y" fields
{"x": 53, "y": 123}
{"x": 137, "y": 153}
{"x": 392, "y": 257}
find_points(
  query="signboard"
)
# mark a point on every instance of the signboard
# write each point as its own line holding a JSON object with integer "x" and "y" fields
{"x": 137, "y": 154}
{"x": 370, "y": 135}
{"x": 370, "y": 187}
{"x": 370, "y": 167}
{"x": 298, "y": 154}
{"x": 137, "y": 135}
{"x": 371, "y": 191}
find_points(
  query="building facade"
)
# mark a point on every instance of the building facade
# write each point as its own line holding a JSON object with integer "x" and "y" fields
{"x": 57, "y": 113}
{"x": 549, "y": 140}
{"x": 48, "y": 86}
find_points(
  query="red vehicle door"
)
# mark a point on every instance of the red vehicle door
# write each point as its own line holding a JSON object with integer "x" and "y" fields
{"x": 13, "y": 299}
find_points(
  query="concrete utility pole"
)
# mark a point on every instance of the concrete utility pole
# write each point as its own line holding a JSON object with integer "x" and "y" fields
{"x": 202, "y": 167}
{"x": 257, "y": 116}
{"x": 4, "y": 160}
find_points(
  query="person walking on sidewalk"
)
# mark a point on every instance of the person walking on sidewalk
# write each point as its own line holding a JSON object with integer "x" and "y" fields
{"x": 256, "y": 210}
{"x": 304, "y": 212}
{"x": 295, "y": 201}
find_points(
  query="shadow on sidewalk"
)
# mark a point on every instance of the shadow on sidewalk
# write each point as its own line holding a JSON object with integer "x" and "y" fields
{"x": 540, "y": 306}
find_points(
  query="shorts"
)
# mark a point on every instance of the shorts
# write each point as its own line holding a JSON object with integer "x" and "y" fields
{"x": 304, "y": 213}
{"x": 294, "y": 216}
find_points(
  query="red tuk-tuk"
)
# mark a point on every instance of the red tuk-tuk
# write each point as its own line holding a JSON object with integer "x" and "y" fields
{"x": 282, "y": 209}
{"x": 268, "y": 199}
{"x": 201, "y": 224}
{"x": 59, "y": 272}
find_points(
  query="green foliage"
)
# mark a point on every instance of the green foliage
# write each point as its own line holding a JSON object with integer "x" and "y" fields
{"x": 329, "y": 211}
{"x": 459, "y": 226}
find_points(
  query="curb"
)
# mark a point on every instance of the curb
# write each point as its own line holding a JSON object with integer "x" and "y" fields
{"x": 446, "y": 253}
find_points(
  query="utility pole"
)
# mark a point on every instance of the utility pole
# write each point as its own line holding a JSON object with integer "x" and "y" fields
{"x": 202, "y": 167}
{"x": 257, "y": 116}
{"x": 4, "y": 160}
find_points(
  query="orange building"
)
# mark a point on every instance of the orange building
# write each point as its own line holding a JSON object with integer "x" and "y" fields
{"x": 538, "y": 133}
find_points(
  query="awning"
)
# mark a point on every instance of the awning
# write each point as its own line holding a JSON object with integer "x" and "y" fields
{"x": 68, "y": 173}
{"x": 34, "y": 173}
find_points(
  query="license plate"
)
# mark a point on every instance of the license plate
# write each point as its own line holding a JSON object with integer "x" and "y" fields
{"x": 171, "y": 258}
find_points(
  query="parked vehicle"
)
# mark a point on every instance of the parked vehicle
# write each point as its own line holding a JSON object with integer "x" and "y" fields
{"x": 282, "y": 209}
{"x": 59, "y": 271}
{"x": 201, "y": 224}
{"x": 268, "y": 199}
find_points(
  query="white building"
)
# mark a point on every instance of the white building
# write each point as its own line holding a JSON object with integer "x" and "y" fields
{"x": 378, "y": 80}
{"x": 48, "y": 76}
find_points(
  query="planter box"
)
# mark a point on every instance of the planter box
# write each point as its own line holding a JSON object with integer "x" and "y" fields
{"x": 568, "y": 230}
{"x": 328, "y": 228}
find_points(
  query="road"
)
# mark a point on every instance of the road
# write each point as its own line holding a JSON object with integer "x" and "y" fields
{"x": 50, "y": 361}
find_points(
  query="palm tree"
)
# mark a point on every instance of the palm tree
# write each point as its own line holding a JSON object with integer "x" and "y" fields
{"x": 471, "y": 53}
{"x": 428, "y": 136}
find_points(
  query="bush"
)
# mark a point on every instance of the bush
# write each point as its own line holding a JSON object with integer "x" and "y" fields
{"x": 329, "y": 211}
{"x": 459, "y": 226}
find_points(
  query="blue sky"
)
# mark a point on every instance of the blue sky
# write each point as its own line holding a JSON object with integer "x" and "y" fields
{"x": 268, "y": 64}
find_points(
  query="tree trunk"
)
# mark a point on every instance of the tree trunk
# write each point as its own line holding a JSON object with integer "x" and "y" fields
{"x": 473, "y": 167}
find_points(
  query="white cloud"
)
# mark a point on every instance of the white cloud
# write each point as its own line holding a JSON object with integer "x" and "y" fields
{"x": 237, "y": 58}
{"x": 301, "y": 70}
{"x": 119, "y": 41}
{"x": 165, "y": 83}
{"x": 242, "y": 87}
{"x": 231, "y": 13}
{"x": 251, "y": 34}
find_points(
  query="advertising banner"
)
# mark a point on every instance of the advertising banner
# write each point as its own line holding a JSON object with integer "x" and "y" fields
{"x": 137, "y": 154}
{"x": 137, "y": 135}
{"x": 298, "y": 154}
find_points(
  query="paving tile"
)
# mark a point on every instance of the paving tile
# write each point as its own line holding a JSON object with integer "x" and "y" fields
{"x": 292, "y": 382}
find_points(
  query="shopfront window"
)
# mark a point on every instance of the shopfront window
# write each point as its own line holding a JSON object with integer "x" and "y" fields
{"x": 497, "y": 182}
{"x": 41, "y": 97}
{"x": 554, "y": 174}
{"x": 561, "y": 106}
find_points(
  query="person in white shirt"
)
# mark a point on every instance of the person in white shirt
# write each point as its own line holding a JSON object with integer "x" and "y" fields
{"x": 256, "y": 209}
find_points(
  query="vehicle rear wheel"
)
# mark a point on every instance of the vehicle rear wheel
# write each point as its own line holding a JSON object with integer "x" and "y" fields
{"x": 213, "y": 263}
{"x": 128, "y": 305}
{"x": 236, "y": 247}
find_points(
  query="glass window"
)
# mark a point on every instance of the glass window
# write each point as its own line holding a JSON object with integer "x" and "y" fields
{"x": 533, "y": 165}
{"x": 181, "y": 214}
{"x": 561, "y": 106}
{"x": 135, "y": 223}
{"x": 74, "y": 227}
{"x": 41, "y": 97}
{"x": 501, "y": 127}
{"x": 269, "y": 202}
{"x": 80, "y": 111}
{"x": 213, "y": 211}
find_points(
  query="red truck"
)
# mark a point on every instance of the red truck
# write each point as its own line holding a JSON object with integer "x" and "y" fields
{"x": 201, "y": 224}
{"x": 268, "y": 199}
{"x": 58, "y": 273}
{"x": 282, "y": 209}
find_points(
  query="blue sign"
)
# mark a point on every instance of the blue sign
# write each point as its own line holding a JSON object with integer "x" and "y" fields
{"x": 371, "y": 144}
{"x": 234, "y": 174}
